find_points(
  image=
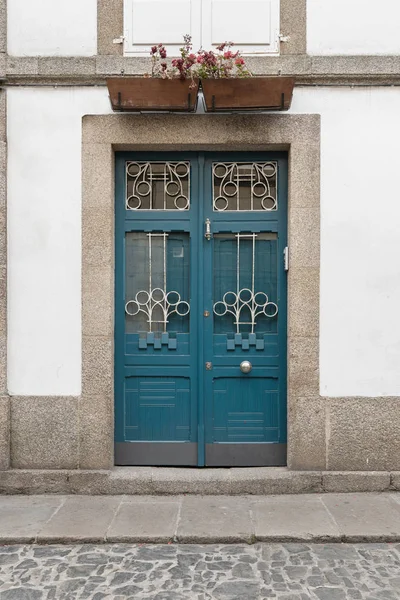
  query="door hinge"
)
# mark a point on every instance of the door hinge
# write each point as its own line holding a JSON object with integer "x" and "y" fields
{"x": 286, "y": 258}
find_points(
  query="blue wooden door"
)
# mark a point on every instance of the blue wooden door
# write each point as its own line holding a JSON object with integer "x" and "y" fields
{"x": 200, "y": 327}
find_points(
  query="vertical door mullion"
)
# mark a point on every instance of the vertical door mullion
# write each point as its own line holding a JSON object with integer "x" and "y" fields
{"x": 200, "y": 307}
{"x": 208, "y": 246}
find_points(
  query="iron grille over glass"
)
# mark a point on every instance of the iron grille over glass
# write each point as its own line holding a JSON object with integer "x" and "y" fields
{"x": 245, "y": 299}
{"x": 157, "y": 186}
{"x": 157, "y": 282}
{"x": 245, "y": 186}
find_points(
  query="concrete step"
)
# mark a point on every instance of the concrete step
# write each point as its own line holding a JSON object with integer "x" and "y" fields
{"x": 171, "y": 481}
{"x": 200, "y": 519}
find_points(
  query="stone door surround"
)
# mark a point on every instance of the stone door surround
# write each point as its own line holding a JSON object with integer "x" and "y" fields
{"x": 102, "y": 136}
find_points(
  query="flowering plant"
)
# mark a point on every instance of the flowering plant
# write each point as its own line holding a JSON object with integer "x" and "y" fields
{"x": 205, "y": 65}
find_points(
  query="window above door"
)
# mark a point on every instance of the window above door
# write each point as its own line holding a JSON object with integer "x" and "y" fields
{"x": 253, "y": 25}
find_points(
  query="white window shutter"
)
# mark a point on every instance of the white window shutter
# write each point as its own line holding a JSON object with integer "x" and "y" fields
{"x": 253, "y": 25}
{"x": 149, "y": 22}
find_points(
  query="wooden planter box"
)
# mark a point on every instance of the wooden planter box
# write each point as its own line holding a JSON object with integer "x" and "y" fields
{"x": 252, "y": 93}
{"x": 142, "y": 94}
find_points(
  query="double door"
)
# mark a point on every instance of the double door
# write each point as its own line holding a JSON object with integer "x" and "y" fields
{"x": 200, "y": 321}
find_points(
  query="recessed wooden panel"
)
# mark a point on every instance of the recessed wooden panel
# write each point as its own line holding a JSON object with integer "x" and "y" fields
{"x": 157, "y": 409}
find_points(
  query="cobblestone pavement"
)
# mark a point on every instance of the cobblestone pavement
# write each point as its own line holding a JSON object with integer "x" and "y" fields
{"x": 182, "y": 572}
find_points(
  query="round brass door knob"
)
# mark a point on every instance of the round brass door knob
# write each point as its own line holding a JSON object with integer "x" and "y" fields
{"x": 246, "y": 366}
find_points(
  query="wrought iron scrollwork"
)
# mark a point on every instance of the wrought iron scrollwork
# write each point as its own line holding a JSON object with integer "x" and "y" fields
{"x": 155, "y": 302}
{"x": 245, "y": 186}
{"x": 245, "y": 301}
{"x": 157, "y": 186}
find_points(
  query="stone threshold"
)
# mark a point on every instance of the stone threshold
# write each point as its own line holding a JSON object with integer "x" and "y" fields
{"x": 200, "y": 519}
{"x": 174, "y": 481}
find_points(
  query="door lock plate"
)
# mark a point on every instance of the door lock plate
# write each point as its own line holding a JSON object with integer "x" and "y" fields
{"x": 208, "y": 366}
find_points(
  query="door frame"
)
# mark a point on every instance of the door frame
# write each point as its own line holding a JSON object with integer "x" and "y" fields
{"x": 150, "y": 452}
{"x": 102, "y": 135}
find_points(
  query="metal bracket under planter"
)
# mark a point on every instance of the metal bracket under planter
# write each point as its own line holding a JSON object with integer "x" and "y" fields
{"x": 248, "y": 94}
{"x": 142, "y": 94}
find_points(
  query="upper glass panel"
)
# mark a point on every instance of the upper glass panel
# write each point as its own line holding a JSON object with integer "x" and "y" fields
{"x": 157, "y": 282}
{"x": 245, "y": 283}
{"x": 250, "y": 186}
{"x": 157, "y": 185}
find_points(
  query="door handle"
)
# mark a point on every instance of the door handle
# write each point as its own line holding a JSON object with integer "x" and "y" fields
{"x": 246, "y": 366}
{"x": 207, "y": 233}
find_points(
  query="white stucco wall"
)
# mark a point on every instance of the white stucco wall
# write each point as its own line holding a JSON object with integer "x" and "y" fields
{"x": 360, "y": 266}
{"x": 52, "y": 27}
{"x": 353, "y": 27}
{"x": 44, "y": 237}
{"x": 360, "y": 241}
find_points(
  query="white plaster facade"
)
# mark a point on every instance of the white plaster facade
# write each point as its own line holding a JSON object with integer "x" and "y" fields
{"x": 359, "y": 344}
{"x": 360, "y": 271}
{"x": 44, "y": 233}
{"x": 49, "y": 28}
{"x": 353, "y": 27}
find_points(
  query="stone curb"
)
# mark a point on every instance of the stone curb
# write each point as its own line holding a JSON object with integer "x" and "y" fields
{"x": 201, "y": 539}
{"x": 173, "y": 481}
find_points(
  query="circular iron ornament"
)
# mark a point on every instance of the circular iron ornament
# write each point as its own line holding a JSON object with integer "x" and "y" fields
{"x": 131, "y": 200}
{"x": 230, "y": 189}
{"x": 269, "y": 169}
{"x": 272, "y": 200}
{"x": 217, "y": 306}
{"x": 270, "y": 315}
{"x": 220, "y": 170}
{"x": 221, "y": 199}
{"x": 184, "y": 200}
{"x": 174, "y": 186}
{"x": 152, "y": 185}
{"x": 182, "y": 169}
{"x": 260, "y": 298}
{"x": 246, "y": 292}
{"x": 225, "y": 298}
{"x": 260, "y": 189}
{"x": 133, "y": 169}
{"x": 132, "y": 312}
{"x": 143, "y": 188}
{"x": 182, "y": 308}
{"x": 147, "y": 302}
{"x": 256, "y": 303}
{"x": 171, "y": 299}
{"x": 245, "y": 186}
{"x": 160, "y": 293}
{"x": 142, "y": 297}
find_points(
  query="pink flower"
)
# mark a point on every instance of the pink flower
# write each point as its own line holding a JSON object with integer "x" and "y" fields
{"x": 228, "y": 54}
{"x": 163, "y": 53}
{"x": 239, "y": 62}
{"x": 221, "y": 46}
{"x": 153, "y": 50}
